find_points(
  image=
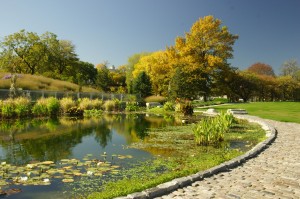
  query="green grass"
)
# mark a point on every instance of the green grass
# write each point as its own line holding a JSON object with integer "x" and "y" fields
{"x": 280, "y": 111}
{"x": 35, "y": 82}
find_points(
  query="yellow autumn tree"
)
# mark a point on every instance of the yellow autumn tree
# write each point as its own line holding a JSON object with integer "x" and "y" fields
{"x": 204, "y": 51}
{"x": 159, "y": 68}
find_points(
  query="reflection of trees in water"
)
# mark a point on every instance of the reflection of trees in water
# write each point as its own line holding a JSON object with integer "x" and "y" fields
{"x": 48, "y": 139}
{"x": 102, "y": 134}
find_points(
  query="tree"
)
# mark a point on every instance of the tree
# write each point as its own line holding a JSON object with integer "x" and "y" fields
{"x": 262, "y": 69}
{"x": 142, "y": 85}
{"x": 132, "y": 61}
{"x": 26, "y": 49}
{"x": 291, "y": 68}
{"x": 103, "y": 78}
{"x": 204, "y": 50}
{"x": 158, "y": 68}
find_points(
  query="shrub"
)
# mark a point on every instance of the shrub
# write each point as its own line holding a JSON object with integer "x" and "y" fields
{"x": 66, "y": 103}
{"x": 75, "y": 112}
{"x": 85, "y": 104}
{"x": 53, "y": 106}
{"x": 211, "y": 130}
{"x": 131, "y": 106}
{"x": 97, "y": 104}
{"x": 109, "y": 105}
{"x": 169, "y": 106}
{"x": 22, "y": 106}
{"x": 7, "y": 108}
{"x": 46, "y": 107}
{"x": 40, "y": 107}
{"x": 184, "y": 106}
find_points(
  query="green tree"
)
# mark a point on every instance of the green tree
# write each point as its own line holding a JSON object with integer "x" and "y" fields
{"x": 142, "y": 85}
{"x": 132, "y": 61}
{"x": 103, "y": 78}
{"x": 23, "y": 51}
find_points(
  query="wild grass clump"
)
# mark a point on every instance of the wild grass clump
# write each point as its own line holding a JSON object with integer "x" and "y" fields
{"x": 109, "y": 105}
{"x": 89, "y": 104}
{"x": 185, "y": 107}
{"x": 7, "y": 108}
{"x": 22, "y": 106}
{"x": 131, "y": 106}
{"x": 211, "y": 130}
{"x": 46, "y": 107}
{"x": 66, "y": 103}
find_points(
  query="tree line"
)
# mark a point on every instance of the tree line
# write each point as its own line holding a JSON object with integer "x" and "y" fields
{"x": 195, "y": 66}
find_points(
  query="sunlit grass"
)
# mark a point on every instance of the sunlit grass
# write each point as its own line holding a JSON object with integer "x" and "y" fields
{"x": 280, "y": 111}
{"x": 35, "y": 82}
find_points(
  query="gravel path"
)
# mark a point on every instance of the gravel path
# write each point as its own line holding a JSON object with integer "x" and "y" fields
{"x": 275, "y": 173}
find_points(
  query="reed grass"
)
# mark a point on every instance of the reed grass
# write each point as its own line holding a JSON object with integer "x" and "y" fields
{"x": 35, "y": 82}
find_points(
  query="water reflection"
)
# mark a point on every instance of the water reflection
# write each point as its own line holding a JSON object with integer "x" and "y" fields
{"x": 24, "y": 141}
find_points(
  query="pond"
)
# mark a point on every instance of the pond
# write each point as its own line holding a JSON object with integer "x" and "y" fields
{"x": 41, "y": 157}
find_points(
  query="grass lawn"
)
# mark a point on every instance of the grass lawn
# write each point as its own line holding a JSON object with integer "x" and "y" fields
{"x": 280, "y": 111}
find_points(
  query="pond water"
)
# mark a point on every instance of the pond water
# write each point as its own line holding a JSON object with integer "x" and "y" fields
{"x": 40, "y": 156}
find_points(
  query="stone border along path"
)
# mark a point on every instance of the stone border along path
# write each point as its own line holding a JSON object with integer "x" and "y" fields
{"x": 273, "y": 173}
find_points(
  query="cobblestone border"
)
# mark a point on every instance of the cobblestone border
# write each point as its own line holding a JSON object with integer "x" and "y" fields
{"x": 168, "y": 187}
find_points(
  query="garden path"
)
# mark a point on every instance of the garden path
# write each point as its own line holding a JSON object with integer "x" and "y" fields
{"x": 274, "y": 173}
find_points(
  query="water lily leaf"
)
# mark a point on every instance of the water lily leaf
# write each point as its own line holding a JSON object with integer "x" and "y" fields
{"x": 67, "y": 180}
{"x": 47, "y": 162}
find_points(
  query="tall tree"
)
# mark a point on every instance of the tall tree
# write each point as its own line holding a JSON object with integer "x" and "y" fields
{"x": 291, "y": 68}
{"x": 132, "y": 61}
{"x": 27, "y": 50}
{"x": 205, "y": 49}
{"x": 262, "y": 69}
{"x": 142, "y": 85}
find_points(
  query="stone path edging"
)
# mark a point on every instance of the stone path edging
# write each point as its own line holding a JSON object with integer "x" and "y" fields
{"x": 168, "y": 187}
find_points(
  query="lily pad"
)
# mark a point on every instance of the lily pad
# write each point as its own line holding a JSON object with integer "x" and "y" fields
{"x": 68, "y": 180}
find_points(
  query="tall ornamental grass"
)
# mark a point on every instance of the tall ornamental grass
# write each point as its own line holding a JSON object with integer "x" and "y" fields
{"x": 89, "y": 104}
{"x": 22, "y": 106}
{"x": 66, "y": 104}
{"x": 46, "y": 107}
{"x": 211, "y": 130}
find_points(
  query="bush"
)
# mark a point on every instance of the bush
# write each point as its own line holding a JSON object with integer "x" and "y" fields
{"x": 169, "y": 106}
{"x": 85, "y": 104}
{"x": 97, "y": 104}
{"x": 7, "y": 108}
{"x": 66, "y": 103}
{"x": 46, "y": 107}
{"x": 75, "y": 112}
{"x": 53, "y": 106}
{"x": 109, "y": 105}
{"x": 40, "y": 107}
{"x": 212, "y": 130}
{"x": 185, "y": 107}
{"x": 131, "y": 106}
{"x": 22, "y": 106}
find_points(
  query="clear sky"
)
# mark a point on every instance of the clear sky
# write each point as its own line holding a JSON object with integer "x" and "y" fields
{"x": 113, "y": 30}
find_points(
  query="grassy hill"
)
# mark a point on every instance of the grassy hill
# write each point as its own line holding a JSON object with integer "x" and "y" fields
{"x": 34, "y": 82}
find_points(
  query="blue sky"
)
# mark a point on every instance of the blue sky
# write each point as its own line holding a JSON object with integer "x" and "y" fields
{"x": 113, "y": 30}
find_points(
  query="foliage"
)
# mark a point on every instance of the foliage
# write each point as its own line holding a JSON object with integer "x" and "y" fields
{"x": 66, "y": 103}
{"x": 169, "y": 106}
{"x": 103, "y": 79}
{"x": 7, "y": 108}
{"x": 131, "y": 106}
{"x": 155, "y": 98}
{"x": 46, "y": 107}
{"x": 109, "y": 105}
{"x": 291, "y": 68}
{"x": 132, "y": 61}
{"x": 22, "y": 106}
{"x": 261, "y": 69}
{"x": 75, "y": 112}
{"x": 184, "y": 106}
{"x": 211, "y": 130}
{"x": 142, "y": 85}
